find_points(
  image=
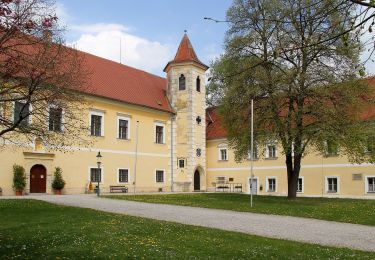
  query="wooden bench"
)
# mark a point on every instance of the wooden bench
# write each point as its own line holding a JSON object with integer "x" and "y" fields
{"x": 118, "y": 188}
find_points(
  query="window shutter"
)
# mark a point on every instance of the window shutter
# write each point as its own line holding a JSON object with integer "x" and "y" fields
{"x": 267, "y": 152}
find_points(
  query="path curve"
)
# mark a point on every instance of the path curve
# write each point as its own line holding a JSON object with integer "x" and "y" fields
{"x": 284, "y": 227}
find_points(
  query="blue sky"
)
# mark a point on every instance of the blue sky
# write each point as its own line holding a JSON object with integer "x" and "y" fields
{"x": 150, "y": 31}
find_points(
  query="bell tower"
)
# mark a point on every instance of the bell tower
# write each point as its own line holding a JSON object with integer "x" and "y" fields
{"x": 187, "y": 95}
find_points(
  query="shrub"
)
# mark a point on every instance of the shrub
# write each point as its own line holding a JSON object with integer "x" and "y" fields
{"x": 58, "y": 181}
{"x": 19, "y": 178}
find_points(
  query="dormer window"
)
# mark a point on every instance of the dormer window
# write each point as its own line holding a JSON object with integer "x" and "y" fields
{"x": 198, "y": 84}
{"x": 182, "y": 82}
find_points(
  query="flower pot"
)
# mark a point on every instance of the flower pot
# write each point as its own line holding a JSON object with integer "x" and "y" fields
{"x": 19, "y": 192}
{"x": 57, "y": 192}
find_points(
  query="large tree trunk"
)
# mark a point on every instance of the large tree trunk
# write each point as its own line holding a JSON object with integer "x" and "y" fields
{"x": 293, "y": 169}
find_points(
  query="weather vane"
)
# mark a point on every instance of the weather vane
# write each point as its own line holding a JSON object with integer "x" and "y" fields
{"x": 185, "y": 31}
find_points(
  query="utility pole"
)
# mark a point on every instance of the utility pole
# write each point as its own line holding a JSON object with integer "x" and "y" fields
{"x": 251, "y": 153}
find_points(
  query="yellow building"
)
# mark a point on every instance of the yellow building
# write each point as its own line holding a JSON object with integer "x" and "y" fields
{"x": 155, "y": 134}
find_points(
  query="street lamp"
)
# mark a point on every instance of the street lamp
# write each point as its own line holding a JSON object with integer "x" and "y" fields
{"x": 99, "y": 163}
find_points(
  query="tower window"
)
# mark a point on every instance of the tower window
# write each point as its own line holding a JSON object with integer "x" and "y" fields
{"x": 199, "y": 120}
{"x": 198, "y": 84}
{"x": 182, "y": 82}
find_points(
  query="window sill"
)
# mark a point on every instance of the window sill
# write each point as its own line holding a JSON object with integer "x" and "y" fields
{"x": 222, "y": 160}
{"x": 121, "y": 139}
{"x": 159, "y": 143}
{"x": 98, "y": 136}
{"x": 271, "y": 191}
{"x": 271, "y": 158}
{"x": 331, "y": 192}
{"x": 255, "y": 159}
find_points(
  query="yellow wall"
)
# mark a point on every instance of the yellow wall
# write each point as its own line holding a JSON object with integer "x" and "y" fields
{"x": 315, "y": 170}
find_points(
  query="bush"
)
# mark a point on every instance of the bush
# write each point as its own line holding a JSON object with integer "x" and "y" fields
{"x": 19, "y": 178}
{"x": 58, "y": 181}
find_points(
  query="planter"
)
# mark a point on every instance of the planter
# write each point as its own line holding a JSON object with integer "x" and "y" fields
{"x": 19, "y": 192}
{"x": 57, "y": 192}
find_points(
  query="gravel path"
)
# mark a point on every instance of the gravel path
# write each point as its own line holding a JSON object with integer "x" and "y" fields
{"x": 291, "y": 228}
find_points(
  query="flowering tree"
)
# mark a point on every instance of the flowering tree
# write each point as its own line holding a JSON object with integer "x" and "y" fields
{"x": 41, "y": 80}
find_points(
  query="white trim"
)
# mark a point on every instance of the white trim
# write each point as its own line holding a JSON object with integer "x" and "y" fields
{"x": 158, "y": 123}
{"x": 97, "y": 112}
{"x": 248, "y": 182}
{"x": 163, "y": 176}
{"x": 308, "y": 166}
{"x": 303, "y": 185}
{"x": 118, "y": 175}
{"x": 267, "y": 187}
{"x": 101, "y": 172}
{"x": 366, "y": 183}
{"x": 118, "y": 126}
{"x": 220, "y": 157}
{"x": 326, "y": 184}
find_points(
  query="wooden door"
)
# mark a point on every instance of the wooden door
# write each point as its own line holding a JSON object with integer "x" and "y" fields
{"x": 254, "y": 186}
{"x": 197, "y": 181}
{"x": 38, "y": 179}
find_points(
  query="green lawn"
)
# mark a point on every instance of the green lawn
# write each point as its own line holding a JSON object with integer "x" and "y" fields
{"x": 342, "y": 210}
{"x": 39, "y": 230}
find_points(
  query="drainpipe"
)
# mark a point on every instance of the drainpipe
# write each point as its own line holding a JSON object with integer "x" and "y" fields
{"x": 172, "y": 160}
{"x": 136, "y": 158}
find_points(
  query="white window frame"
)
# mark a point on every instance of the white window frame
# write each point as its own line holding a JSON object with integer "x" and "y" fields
{"x": 338, "y": 184}
{"x": 267, "y": 150}
{"x": 29, "y": 119}
{"x": 118, "y": 127}
{"x": 62, "y": 116}
{"x": 163, "y": 125}
{"x": 158, "y": 182}
{"x": 102, "y": 173}
{"x": 267, "y": 184}
{"x": 367, "y": 184}
{"x": 256, "y": 148}
{"x": 220, "y": 154}
{"x": 97, "y": 113}
{"x": 118, "y": 175}
{"x": 303, "y": 185}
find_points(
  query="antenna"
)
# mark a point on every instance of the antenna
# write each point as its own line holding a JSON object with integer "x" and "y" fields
{"x": 120, "y": 51}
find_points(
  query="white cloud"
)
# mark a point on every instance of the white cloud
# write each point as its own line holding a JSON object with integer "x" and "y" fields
{"x": 103, "y": 40}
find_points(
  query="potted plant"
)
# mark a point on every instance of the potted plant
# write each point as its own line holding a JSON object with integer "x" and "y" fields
{"x": 58, "y": 182}
{"x": 19, "y": 179}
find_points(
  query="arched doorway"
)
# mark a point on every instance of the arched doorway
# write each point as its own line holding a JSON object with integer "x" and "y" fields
{"x": 38, "y": 179}
{"x": 197, "y": 180}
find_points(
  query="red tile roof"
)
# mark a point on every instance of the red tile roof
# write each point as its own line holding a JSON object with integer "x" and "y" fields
{"x": 214, "y": 129}
{"x": 186, "y": 53}
{"x": 126, "y": 84}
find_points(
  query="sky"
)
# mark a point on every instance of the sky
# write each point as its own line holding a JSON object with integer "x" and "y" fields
{"x": 148, "y": 31}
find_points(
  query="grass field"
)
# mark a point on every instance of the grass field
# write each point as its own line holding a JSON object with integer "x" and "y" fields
{"x": 342, "y": 210}
{"x": 32, "y": 229}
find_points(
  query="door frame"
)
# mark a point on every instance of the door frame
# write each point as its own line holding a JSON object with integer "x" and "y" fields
{"x": 199, "y": 178}
{"x": 248, "y": 185}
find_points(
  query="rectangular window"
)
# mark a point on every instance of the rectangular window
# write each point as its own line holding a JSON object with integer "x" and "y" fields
{"x": 332, "y": 185}
{"x": 96, "y": 125}
{"x": 271, "y": 185}
{"x": 271, "y": 151}
{"x": 159, "y": 176}
{"x": 123, "y": 175}
{"x": 55, "y": 119}
{"x": 159, "y": 134}
{"x": 21, "y": 112}
{"x": 123, "y": 129}
{"x": 371, "y": 184}
{"x": 255, "y": 153}
{"x": 300, "y": 185}
{"x": 181, "y": 163}
{"x": 95, "y": 175}
{"x": 223, "y": 153}
{"x": 332, "y": 148}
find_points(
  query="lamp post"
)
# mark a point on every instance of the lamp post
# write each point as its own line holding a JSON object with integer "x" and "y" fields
{"x": 99, "y": 163}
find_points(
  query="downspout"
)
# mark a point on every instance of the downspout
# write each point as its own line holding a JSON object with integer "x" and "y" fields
{"x": 172, "y": 160}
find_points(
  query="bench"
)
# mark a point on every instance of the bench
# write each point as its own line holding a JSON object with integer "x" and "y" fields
{"x": 118, "y": 188}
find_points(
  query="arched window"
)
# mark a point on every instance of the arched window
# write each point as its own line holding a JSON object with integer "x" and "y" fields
{"x": 181, "y": 82}
{"x": 198, "y": 84}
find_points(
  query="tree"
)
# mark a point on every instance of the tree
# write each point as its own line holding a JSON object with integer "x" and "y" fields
{"x": 58, "y": 182}
{"x": 307, "y": 91}
{"x": 41, "y": 80}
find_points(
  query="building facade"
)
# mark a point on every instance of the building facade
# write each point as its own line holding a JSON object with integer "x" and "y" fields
{"x": 155, "y": 134}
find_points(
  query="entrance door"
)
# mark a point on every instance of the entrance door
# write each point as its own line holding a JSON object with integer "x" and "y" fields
{"x": 197, "y": 181}
{"x": 254, "y": 186}
{"x": 38, "y": 179}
